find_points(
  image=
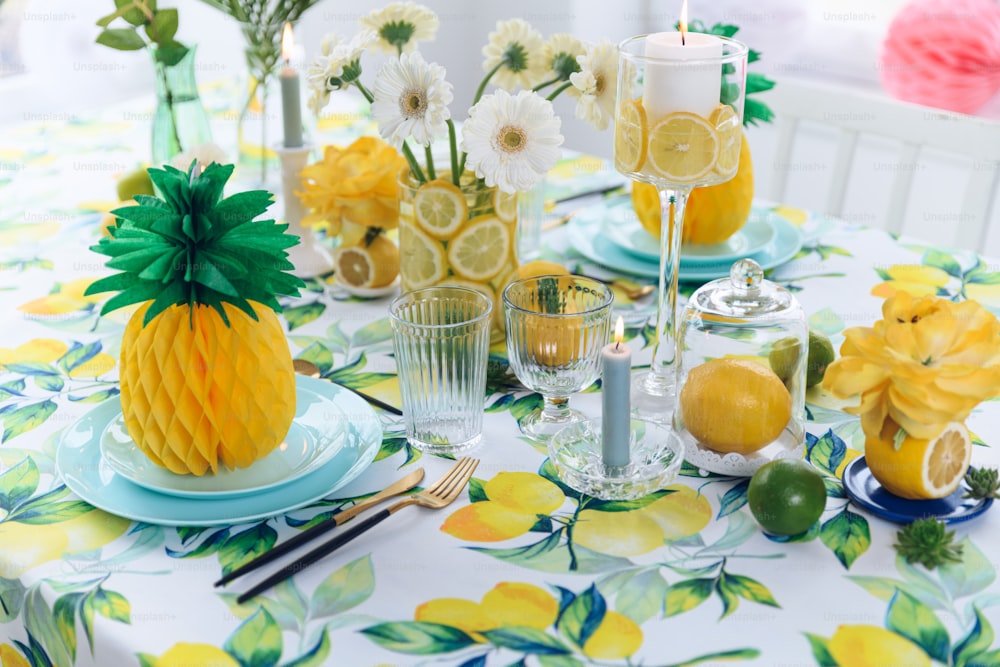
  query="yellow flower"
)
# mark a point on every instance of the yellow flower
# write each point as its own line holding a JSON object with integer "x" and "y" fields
{"x": 929, "y": 361}
{"x": 357, "y": 184}
{"x": 914, "y": 279}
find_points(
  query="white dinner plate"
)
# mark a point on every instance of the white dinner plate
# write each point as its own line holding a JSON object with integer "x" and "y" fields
{"x": 82, "y": 468}
{"x": 304, "y": 449}
{"x": 622, "y": 227}
{"x": 587, "y": 238}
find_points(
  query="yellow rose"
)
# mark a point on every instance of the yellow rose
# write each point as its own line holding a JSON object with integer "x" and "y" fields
{"x": 928, "y": 362}
{"x": 357, "y": 184}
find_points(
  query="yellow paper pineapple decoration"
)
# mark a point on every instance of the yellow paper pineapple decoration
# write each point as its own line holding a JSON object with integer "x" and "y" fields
{"x": 206, "y": 373}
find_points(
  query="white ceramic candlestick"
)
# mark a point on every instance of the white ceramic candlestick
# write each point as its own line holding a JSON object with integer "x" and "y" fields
{"x": 309, "y": 257}
{"x": 675, "y": 85}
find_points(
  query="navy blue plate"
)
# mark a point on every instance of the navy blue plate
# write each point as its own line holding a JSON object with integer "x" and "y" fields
{"x": 864, "y": 490}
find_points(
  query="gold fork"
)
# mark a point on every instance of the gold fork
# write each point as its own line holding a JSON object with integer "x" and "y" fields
{"x": 436, "y": 496}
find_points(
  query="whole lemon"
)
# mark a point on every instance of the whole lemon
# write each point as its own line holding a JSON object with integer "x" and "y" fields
{"x": 786, "y": 496}
{"x": 732, "y": 405}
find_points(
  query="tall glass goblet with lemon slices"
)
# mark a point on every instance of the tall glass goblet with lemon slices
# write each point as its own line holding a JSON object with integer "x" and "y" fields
{"x": 678, "y": 126}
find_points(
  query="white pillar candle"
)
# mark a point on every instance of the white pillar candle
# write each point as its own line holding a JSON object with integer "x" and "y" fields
{"x": 291, "y": 102}
{"x": 616, "y": 420}
{"x": 673, "y": 86}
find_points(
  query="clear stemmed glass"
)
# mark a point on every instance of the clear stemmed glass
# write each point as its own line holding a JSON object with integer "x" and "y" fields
{"x": 556, "y": 327}
{"x": 678, "y": 126}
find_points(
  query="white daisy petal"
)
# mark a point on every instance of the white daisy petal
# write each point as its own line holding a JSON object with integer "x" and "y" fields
{"x": 401, "y": 25}
{"x": 411, "y": 100}
{"x": 512, "y": 140}
{"x": 521, "y": 50}
{"x": 326, "y": 72}
{"x": 596, "y": 82}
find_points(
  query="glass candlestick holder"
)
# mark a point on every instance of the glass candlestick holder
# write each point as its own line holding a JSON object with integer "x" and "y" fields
{"x": 656, "y": 456}
{"x": 310, "y": 257}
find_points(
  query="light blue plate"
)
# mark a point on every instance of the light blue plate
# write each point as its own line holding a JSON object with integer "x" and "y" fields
{"x": 588, "y": 239}
{"x": 623, "y": 228}
{"x": 350, "y": 423}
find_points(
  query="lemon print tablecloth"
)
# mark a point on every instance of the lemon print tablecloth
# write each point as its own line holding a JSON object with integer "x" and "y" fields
{"x": 520, "y": 570}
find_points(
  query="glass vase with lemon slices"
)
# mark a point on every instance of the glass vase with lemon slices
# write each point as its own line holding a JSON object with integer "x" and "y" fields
{"x": 457, "y": 235}
{"x": 678, "y": 127}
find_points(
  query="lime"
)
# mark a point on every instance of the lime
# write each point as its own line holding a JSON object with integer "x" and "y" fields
{"x": 134, "y": 183}
{"x": 784, "y": 356}
{"x": 786, "y": 496}
{"x": 821, "y": 355}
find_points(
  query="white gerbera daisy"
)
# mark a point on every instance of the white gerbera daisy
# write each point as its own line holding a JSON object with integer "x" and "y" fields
{"x": 339, "y": 64}
{"x": 597, "y": 81}
{"x": 560, "y": 57}
{"x": 411, "y": 100}
{"x": 512, "y": 141}
{"x": 516, "y": 49}
{"x": 400, "y": 25}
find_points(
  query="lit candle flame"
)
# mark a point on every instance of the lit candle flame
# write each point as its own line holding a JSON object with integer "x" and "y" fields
{"x": 619, "y": 331}
{"x": 684, "y": 22}
{"x": 287, "y": 43}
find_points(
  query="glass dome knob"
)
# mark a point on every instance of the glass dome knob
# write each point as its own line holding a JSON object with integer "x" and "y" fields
{"x": 746, "y": 277}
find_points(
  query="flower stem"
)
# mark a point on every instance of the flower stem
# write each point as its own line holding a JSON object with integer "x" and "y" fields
{"x": 364, "y": 91}
{"x": 168, "y": 98}
{"x": 456, "y": 173}
{"x": 546, "y": 84}
{"x": 482, "y": 86}
{"x": 418, "y": 173}
{"x": 431, "y": 173}
{"x": 555, "y": 93}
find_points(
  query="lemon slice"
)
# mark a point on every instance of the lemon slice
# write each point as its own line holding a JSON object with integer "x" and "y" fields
{"x": 480, "y": 251}
{"x": 375, "y": 265}
{"x": 920, "y": 469}
{"x": 440, "y": 208}
{"x": 727, "y": 125}
{"x": 683, "y": 147}
{"x": 422, "y": 258}
{"x": 505, "y": 205}
{"x": 630, "y": 136}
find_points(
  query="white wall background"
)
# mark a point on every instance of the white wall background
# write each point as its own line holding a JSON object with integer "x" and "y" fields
{"x": 822, "y": 40}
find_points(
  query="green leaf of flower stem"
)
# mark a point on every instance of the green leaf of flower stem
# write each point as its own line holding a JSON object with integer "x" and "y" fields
{"x": 686, "y": 595}
{"x": 583, "y": 616}
{"x": 750, "y": 589}
{"x": 318, "y": 354}
{"x": 163, "y": 27}
{"x": 477, "y": 491}
{"x": 526, "y": 640}
{"x": 64, "y": 614}
{"x": 730, "y": 600}
{"x": 78, "y": 355}
{"x": 256, "y": 642}
{"x": 11, "y": 599}
{"x": 943, "y": 261}
{"x": 136, "y": 16}
{"x": 32, "y": 368}
{"x": 418, "y": 638}
{"x": 122, "y": 39}
{"x": 820, "y": 650}
{"x": 733, "y": 499}
{"x": 911, "y": 618}
{"x": 827, "y": 453}
{"x": 344, "y": 589}
{"x": 26, "y": 418}
{"x": 641, "y": 597}
{"x": 847, "y": 536}
{"x": 978, "y": 640}
{"x": 18, "y": 483}
{"x": 974, "y": 574}
{"x": 52, "y": 383}
{"x": 243, "y": 547}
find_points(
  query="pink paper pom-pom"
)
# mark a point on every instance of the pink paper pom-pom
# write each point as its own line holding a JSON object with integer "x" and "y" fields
{"x": 944, "y": 54}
